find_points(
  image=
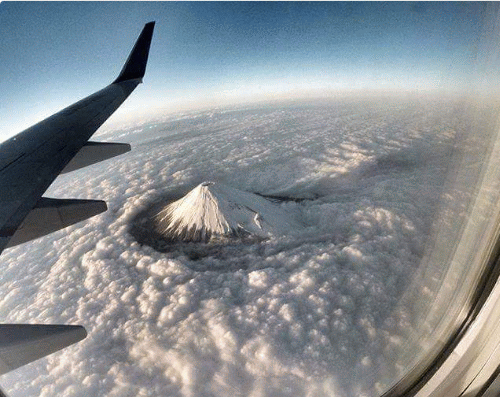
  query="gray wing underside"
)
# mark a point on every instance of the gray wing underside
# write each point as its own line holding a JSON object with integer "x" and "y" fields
{"x": 29, "y": 163}
{"x": 21, "y": 344}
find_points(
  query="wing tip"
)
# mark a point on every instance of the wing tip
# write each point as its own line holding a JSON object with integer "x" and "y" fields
{"x": 135, "y": 66}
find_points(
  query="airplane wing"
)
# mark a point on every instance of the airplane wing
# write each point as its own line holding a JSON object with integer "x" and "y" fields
{"x": 31, "y": 160}
{"x": 29, "y": 163}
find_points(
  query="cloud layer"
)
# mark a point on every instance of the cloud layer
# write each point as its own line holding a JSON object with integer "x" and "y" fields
{"x": 311, "y": 313}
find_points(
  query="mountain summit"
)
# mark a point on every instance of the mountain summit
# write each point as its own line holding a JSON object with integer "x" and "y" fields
{"x": 214, "y": 210}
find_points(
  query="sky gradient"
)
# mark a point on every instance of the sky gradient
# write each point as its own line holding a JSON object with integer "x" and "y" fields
{"x": 212, "y": 54}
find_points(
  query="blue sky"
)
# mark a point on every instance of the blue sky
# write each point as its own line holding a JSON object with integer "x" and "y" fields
{"x": 203, "y": 54}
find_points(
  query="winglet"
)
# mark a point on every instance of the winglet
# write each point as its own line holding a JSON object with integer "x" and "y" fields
{"x": 135, "y": 66}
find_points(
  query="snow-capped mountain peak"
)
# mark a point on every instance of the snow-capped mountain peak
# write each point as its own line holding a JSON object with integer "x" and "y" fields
{"x": 213, "y": 209}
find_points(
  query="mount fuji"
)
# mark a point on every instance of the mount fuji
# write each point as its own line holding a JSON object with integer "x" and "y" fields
{"x": 213, "y": 210}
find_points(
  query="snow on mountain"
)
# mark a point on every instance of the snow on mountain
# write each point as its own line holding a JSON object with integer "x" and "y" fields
{"x": 213, "y": 210}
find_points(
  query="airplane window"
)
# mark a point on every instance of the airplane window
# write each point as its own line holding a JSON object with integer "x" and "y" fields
{"x": 310, "y": 207}
{"x": 459, "y": 268}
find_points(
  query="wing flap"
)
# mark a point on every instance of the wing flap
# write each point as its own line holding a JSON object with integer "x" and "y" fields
{"x": 21, "y": 344}
{"x": 94, "y": 152}
{"x": 50, "y": 215}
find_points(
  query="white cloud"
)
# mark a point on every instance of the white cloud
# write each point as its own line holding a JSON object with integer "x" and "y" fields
{"x": 307, "y": 313}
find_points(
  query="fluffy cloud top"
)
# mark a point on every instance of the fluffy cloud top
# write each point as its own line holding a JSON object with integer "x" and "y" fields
{"x": 308, "y": 313}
